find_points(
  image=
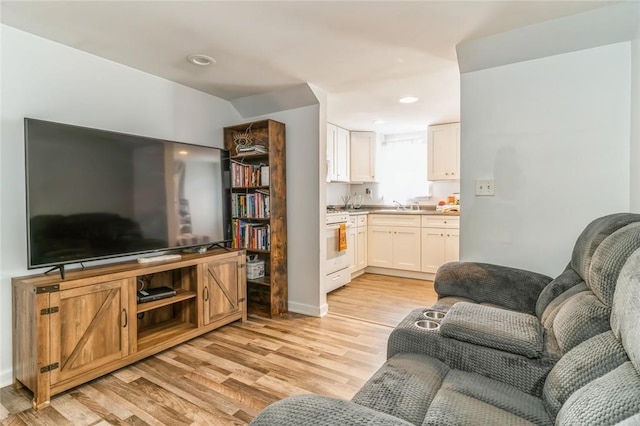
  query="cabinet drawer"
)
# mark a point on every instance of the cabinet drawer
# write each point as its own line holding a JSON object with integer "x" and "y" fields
{"x": 394, "y": 220}
{"x": 361, "y": 220}
{"x": 440, "y": 221}
{"x": 353, "y": 221}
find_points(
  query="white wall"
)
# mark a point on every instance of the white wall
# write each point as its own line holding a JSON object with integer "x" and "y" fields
{"x": 303, "y": 208}
{"x": 554, "y": 133}
{"x": 43, "y": 79}
{"x": 635, "y": 121}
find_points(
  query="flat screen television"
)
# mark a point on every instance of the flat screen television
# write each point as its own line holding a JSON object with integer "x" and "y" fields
{"x": 95, "y": 194}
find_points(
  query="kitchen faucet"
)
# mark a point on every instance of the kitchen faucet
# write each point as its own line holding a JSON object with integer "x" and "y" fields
{"x": 399, "y": 205}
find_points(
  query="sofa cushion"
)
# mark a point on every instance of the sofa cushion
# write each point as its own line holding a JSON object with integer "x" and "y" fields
{"x": 608, "y": 400}
{"x": 404, "y": 387}
{"x": 501, "y": 329}
{"x": 563, "y": 282}
{"x": 552, "y": 309}
{"x": 582, "y": 364}
{"x": 580, "y": 318}
{"x": 300, "y": 410}
{"x": 422, "y": 390}
{"x": 626, "y": 308}
{"x": 591, "y": 237}
{"x": 469, "y": 398}
{"x": 608, "y": 260}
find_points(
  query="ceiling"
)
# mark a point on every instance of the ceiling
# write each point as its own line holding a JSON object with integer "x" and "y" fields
{"x": 364, "y": 54}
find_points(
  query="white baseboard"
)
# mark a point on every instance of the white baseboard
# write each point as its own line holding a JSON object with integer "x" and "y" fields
{"x": 312, "y": 311}
{"x": 400, "y": 273}
{"x": 6, "y": 378}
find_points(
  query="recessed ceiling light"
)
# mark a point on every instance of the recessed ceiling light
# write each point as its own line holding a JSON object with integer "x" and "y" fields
{"x": 201, "y": 60}
{"x": 379, "y": 121}
{"x": 408, "y": 100}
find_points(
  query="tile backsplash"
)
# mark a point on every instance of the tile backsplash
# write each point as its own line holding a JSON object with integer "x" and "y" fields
{"x": 335, "y": 191}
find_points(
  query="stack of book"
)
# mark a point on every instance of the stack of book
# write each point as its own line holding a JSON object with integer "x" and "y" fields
{"x": 249, "y": 235}
{"x": 251, "y": 149}
{"x": 254, "y": 205}
{"x": 248, "y": 175}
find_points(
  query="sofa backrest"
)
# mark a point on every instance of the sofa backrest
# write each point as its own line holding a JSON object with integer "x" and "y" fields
{"x": 577, "y": 270}
{"x": 591, "y": 237}
{"x": 584, "y": 310}
{"x": 598, "y": 381}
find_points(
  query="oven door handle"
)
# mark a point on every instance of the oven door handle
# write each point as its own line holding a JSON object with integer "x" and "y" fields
{"x": 335, "y": 227}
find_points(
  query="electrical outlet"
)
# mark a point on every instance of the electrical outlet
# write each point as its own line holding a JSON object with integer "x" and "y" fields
{"x": 485, "y": 187}
{"x": 368, "y": 193}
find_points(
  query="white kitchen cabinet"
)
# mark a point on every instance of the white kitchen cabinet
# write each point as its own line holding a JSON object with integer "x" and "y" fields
{"x": 338, "y": 153}
{"x": 363, "y": 157}
{"x": 332, "y": 137}
{"x": 440, "y": 241}
{"x": 357, "y": 243}
{"x": 443, "y": 156}
{"x": 394, "y": 242}
{"x": 352, "y": 243}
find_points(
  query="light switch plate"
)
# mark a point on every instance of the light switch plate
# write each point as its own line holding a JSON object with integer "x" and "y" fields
{"x": 485, "y": 187}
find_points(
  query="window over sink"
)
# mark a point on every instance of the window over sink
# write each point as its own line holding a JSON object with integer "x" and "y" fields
{"x": 402, "y": 168}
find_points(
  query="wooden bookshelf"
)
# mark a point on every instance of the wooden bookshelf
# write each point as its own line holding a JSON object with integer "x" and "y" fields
{"x": 266, "y": 294}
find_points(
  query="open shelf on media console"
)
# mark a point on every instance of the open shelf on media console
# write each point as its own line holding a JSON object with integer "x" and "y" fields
{"x": 163, "y": 331}
{"x": 180, "y": 296}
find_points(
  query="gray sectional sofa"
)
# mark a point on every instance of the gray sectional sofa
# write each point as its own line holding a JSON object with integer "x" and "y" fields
{"x": 513, "y": 347}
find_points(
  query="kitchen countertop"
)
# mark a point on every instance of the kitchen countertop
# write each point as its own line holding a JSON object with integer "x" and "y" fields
{"x": 370, "y": 210}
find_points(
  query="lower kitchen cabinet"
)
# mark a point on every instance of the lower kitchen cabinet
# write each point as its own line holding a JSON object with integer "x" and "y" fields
{"x": 357, "y": 244}
{"x": 440, "y": 241}
{"x": 394, "y": 242}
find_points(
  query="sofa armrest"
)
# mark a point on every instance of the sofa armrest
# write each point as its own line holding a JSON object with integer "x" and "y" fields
{"x": 502, "y": 329}
{"x": 310, "y": 410}
{"x": 511, "y": 288}
{"x": 527, "y": 374}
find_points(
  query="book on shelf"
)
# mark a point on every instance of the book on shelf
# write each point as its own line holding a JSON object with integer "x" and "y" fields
{"x": 251, "y": 235}
{"x": 247, "y": 175}
{"x": 251, "y": 205}
{"x": 264, "y": 173}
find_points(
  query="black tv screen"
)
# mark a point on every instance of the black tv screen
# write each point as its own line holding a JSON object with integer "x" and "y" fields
{"x": 95, "y": 194}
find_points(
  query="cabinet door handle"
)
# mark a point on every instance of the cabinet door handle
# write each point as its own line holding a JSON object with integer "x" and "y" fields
{"x": 206, "y": 294}
{"x": 126, "y": 318}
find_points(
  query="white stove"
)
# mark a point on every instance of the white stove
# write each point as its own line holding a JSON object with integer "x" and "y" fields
{"x": 337, "y": 266}
{"x": 337, "y": 216}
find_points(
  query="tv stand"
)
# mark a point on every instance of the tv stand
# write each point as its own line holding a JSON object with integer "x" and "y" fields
{"x": 108, "y": 328}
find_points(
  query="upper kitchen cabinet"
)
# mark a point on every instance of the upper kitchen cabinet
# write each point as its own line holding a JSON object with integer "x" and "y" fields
{"x": 363, "y": 157}
{"x": 338, "y": 154}
{"x": 444, "y": 152}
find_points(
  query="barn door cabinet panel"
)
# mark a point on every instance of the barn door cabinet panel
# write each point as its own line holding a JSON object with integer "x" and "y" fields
{"x": 69, "y": 331}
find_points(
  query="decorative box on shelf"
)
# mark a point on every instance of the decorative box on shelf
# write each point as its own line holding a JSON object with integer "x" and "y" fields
{"x": 255, "y": 267}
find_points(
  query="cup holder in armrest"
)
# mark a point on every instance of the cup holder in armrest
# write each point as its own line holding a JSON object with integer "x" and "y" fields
{"x": 427, "y": 324}
{"x": 433, "y": 315}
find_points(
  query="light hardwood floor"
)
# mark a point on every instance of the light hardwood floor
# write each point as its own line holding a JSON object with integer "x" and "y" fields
{"x": 227, "y": 376}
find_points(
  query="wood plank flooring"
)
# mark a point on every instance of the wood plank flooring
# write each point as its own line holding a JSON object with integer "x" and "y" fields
{"x": 227, "y": 376}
